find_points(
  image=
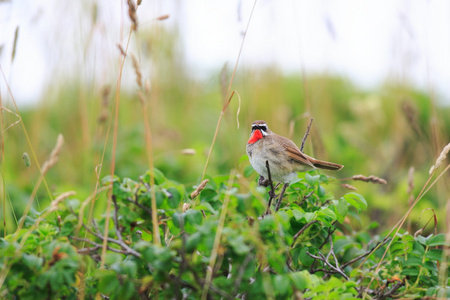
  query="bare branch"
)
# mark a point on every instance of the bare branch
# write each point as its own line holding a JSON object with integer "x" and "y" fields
{"x": 378, "y": 245}
{"x": 334, "y": 269}
{"x": 306, "y": 135}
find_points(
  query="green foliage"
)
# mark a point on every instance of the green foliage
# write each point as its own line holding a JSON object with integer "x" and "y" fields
{"x": 307, "y": 249}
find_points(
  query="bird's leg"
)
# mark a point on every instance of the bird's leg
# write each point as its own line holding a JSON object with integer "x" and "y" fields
{"x": 281, "y": 196}
{"x": 263, "y": 181}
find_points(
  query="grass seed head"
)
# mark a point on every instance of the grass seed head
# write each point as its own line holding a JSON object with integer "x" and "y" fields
{"x": 371, "y": 179}
{"x": 54, "y": 155}
{"x": 199, "y": 188}
{"x": 348, "y": 187}
{"x": 26, "y": 159}
{"x": 132, "y": 14}
{"x": 137, "y": 70}
{"x": 440, "y": 159}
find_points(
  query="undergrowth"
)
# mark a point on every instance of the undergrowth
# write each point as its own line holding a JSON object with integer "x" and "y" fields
{"x": 219, "y": 245}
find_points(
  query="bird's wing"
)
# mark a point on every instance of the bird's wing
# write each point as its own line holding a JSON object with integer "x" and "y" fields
{"x": 293, "y": 152}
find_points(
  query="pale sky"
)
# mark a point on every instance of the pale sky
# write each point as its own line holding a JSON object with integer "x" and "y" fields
{"x": 368, "y": 42}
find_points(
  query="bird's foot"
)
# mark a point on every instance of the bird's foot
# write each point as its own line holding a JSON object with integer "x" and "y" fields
{"x": 263, "y": 181}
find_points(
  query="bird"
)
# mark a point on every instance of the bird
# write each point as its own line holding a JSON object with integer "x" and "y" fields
{"x": 282, "y": 155}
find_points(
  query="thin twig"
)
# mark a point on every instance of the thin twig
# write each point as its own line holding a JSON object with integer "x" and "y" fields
{"x": 241, "y": 271}
{"x": 306, "y": 135}
{"x": 302, "y": 230}
{"x": 378, "y": 245}
{"x": 100, "y": 236}
{"x": 281, "y": 196}
{"x": 96, "y": 246}
{"x": 272, "y": 190}
{"x": 143, "y": 207}
{"x": 322, "y": 258}
{"x": 115, "y": 220}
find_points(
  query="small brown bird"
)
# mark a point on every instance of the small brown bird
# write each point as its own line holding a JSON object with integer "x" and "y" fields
{"x": 284, "y": 157}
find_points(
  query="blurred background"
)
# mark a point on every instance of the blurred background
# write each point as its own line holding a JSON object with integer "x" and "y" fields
{"x": 373, "y": 74}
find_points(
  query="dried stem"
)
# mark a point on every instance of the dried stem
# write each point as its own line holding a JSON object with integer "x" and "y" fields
{"x": 306, "y": 135}
{"x": 228, "y": 92}
{"x": 215, "y": 249}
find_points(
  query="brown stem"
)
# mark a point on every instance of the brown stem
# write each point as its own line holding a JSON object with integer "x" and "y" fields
{"x": 306, "y": 135}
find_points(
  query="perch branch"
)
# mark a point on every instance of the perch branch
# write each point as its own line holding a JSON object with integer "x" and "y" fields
{"x": 306, "y": 135}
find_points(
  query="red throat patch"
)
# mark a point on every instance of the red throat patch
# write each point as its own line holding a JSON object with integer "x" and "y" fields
{"x": 255, "y": 136}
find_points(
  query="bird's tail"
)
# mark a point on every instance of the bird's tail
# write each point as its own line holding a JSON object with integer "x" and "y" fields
{"x": 320, "y": 164}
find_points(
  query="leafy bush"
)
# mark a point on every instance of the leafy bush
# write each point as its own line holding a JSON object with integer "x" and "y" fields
{"x": 220, "y": 244}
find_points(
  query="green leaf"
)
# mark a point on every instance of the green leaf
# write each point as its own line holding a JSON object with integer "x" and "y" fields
{"x": 413, "y": 261}
{"x": 194, "y": 216}
{"x": 397, "y": 248}
{"x": 176, "y": 218}
{"x": 340, "y": 208}
{"x": 437, "y": 240}
{"x": 193, "y": 241}
{"x": 312, "y": 180}
{"x": 160, "y": 197}
{"x": 434, "y": 254}
{"x": 108, "y": 281}
{"x": 208, "y": 195}
{"x": 174, "y": 198}
{"x": 321, "y": 191}
{"x": 239, "y": 246}
{"x": 248, "y": 171}
{"x": 410, "y": 272}
{"x": 305, "y": 259}
{"x": 298, "y": 215}
{"x": 356, "y": 200}
{"x": 300, "y": 280}
{"x": 326, "y": 215}
{"x": 129, "y": 267}
{"x": 32, "y": 261}
{"x": 282, "y": 284}
{"x": 67, "y": 229}
{"x": 431, "y": 266}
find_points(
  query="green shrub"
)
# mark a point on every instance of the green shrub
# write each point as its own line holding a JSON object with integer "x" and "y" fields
{"x": 220, "y": 244}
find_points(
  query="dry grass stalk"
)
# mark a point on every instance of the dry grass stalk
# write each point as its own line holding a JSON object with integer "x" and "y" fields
{"x": 410, "y": 193}
{"x": 188, "y": 151}
{"x": 371, "y": 179}
{"x": 199, "y": 188}
{"x": 443, "y": 270}
{"x": 348, "y": 187}
{"x": 216, "y": 245}
{"x": 186, "y": 206}
{"x": 106, "y": 90}
{"x": 141, "y": 97}
{"x": 16, "y": 35}
{"x": 163, "y": 17}
{"x": 137, "y": 70}
{"x": 440, "y": 159}
{"x": 54, "y": 155}
{"x": 132, "y": 8}
{"x": 59, "y": 199}
{"x": 228, "y": 92}
{"x": 411, "y": 115}
{"x": 121, "y": 50}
